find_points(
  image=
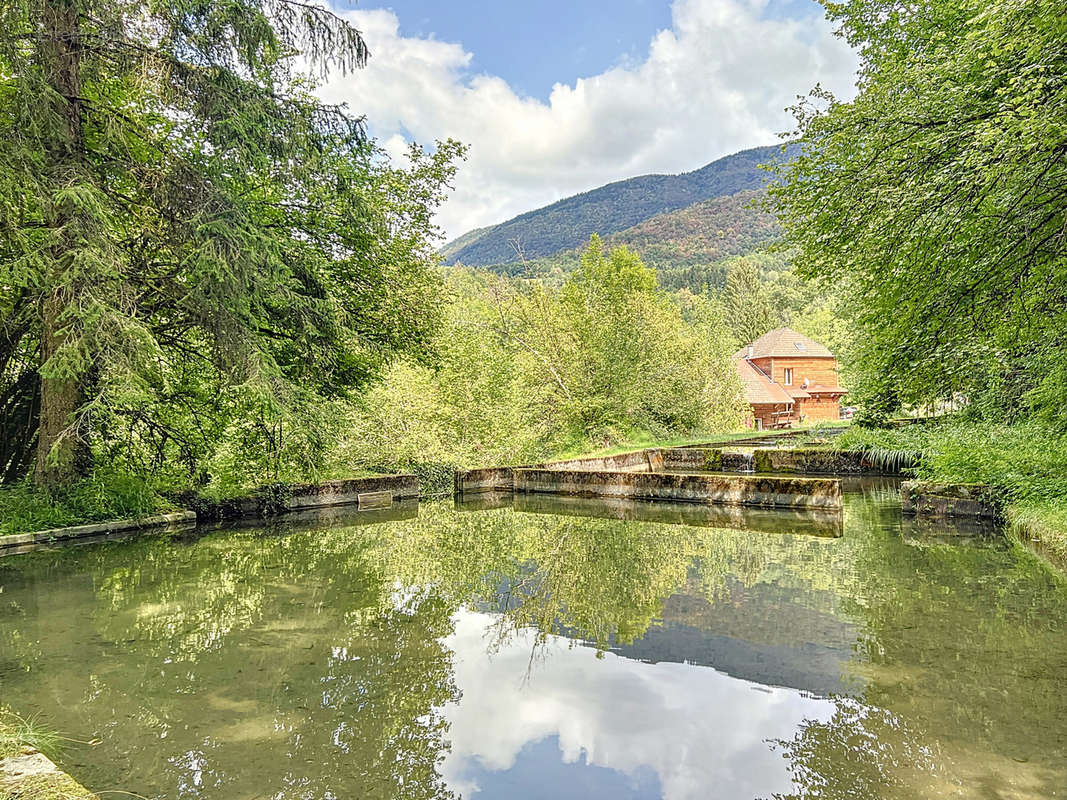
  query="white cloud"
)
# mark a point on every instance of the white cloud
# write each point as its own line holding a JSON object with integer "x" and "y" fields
{"x": 718, "y": 81}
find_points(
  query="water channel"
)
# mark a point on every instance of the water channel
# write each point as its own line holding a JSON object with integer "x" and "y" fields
{"x": 545, "y": 648}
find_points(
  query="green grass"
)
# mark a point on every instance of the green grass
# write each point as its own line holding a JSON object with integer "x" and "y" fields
{"x": 102, "y": 496}
{"x": 18, "y": 736}
{"x": 17, "y": 733}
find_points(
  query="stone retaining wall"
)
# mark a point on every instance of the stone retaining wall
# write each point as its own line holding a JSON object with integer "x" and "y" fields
{"x": 377, "y": 491}
{"x": 940, "y": 500}
{"x": 818, "y": 462}
{"x": 766, "y": 492}
{"x": 502, "y": 479}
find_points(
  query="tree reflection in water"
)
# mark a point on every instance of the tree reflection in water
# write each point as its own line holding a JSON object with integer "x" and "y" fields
{"x": 297, "y": 662}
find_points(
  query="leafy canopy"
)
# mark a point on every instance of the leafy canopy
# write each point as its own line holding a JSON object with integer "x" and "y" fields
{"x": 938, "y": 198}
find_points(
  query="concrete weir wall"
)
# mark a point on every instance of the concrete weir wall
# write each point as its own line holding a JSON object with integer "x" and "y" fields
{"x": 502, "y": 479}
{"x": 814, "y": 461}
{"x": 753, "y": 491}
{"x": 375, "y": 492}
{"x": 653, "y": 475}
{"x": 940, "y": 501}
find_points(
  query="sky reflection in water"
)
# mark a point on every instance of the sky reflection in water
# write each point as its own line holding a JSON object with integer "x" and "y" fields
{"x": 570, "y": 724}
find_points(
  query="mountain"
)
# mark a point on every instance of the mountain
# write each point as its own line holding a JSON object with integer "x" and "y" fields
{"x": 702, "y": 233}
{"x": 689, "y": 247}
{"x": 616, "y": 207}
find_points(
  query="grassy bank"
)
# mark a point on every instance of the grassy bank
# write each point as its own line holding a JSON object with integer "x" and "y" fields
{"x": 104, "y": 496}
{"x": 1026, "y": 463}
{"x": 18, "y": 737}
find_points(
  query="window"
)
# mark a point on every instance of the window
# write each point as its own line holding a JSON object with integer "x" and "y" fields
{"x": 789, "y": 377}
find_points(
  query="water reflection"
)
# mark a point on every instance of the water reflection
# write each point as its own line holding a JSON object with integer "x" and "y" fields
{"x": 625, "y": 727}
{"x": 507, "y": 651}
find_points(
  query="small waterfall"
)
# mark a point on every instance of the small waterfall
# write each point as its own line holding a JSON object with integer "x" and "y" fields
{"x": 748, "y": 462}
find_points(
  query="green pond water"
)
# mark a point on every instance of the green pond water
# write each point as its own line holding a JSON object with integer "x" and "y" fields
{"x": 538, "y": 648}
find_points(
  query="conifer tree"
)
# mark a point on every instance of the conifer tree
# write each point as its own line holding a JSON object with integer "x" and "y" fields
{"x": 185, "y": 231}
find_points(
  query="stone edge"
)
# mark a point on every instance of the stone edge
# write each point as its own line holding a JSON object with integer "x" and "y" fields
{"x": 296, "y": 497}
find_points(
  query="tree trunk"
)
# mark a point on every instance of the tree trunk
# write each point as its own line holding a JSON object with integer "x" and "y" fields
{"x": 61, "y": 451}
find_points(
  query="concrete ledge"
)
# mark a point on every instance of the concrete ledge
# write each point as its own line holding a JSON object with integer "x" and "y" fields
{"x": 941, "y": 500}
{"x": 686, "y": 458}
{"x": 502, "y": 479}
{"x": 377, "y": 492}
{"x": 493, "y": 479}
{"x": 819, "y": 462}
{"x": 172, "y": 521}
{"x": 808, "y": 522}
{"x": 765, "y": 492}
{"x": 32, "y": 774}
{"x": 317, "y": 518}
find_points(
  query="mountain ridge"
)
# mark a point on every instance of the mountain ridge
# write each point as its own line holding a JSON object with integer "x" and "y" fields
{"x": 614, "y": 207}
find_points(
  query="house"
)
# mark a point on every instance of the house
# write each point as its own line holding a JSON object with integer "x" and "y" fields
{"x": 789, "y": 379}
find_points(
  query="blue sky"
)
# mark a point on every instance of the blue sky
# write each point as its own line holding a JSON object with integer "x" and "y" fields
{"x": 556, "y": 97}
{"x": 533, "y": 45}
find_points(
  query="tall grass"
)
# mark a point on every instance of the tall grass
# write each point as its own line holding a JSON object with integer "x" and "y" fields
{"x": 104, "y": 495}
{"x": 1026, "y": 462}
{"x": 18, "y": 733}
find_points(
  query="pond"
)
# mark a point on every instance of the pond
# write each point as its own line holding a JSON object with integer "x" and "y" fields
{"x": 548, "y": 649}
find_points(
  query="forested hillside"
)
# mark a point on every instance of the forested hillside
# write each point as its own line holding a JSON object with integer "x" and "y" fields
{"x": 703, "y": 232}
{"x": 568, "y": 224}
{"x": 688, "y": 247}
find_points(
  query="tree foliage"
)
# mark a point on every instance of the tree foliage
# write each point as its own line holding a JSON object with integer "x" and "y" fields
{"x": 189, "y": 240}
{"x": 528, "y": 371}
{"x": 938, "y": 198}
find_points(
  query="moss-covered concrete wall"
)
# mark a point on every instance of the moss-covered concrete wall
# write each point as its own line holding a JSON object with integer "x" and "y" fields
{"x": 815, "y": 461}
{"x": 758, "y": 491}
{"x": 941, "y": 500}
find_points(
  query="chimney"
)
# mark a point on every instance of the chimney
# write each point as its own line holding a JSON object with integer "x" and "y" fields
{"x": 751, "y": 352}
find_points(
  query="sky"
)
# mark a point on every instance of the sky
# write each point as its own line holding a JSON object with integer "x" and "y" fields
{"x": 555, "y": 97}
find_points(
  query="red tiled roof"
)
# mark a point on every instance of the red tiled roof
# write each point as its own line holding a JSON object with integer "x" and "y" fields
{"x": 784, "y": 342}
{"x": 759, "y": 389}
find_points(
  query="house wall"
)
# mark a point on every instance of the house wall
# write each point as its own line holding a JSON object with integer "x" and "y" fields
{"x": 816, "y": 370}
{"x": 819, "y": 408}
